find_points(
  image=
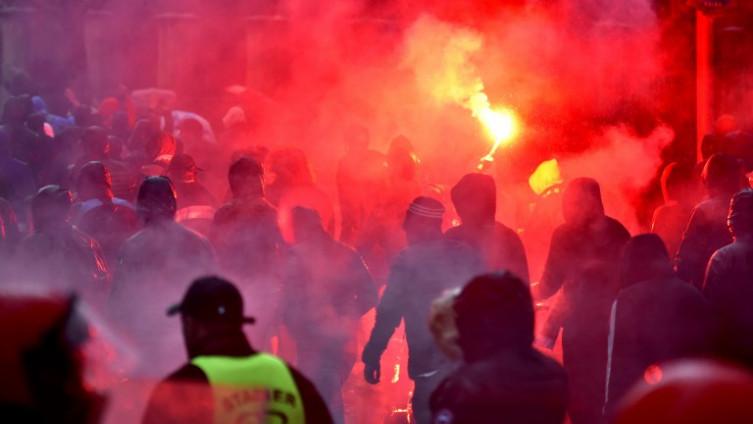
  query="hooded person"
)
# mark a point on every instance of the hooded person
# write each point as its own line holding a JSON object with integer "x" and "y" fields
{"x": 707, "y": 229}
{"x": 583, "y": 261}
{"x": 153, "y": 266}
{"x": 58, "y": 256}
{"x": 226, "y": 379}
{"x": 728, "y": 282}
{"x": 475, "y": 200}
{"x": 655, "y": 318}
{"x": 326, "y": 307}
{"x": 502, "y": 379}
{"x": 429, "y": 265}
{"x": 97, "y": 212}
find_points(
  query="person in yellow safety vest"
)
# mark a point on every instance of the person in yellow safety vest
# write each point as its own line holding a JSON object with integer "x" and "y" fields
{"x": 226, "y": 380}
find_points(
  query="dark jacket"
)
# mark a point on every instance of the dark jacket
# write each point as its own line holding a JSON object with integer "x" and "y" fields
{"x": 181, "y": 398}
{"x": 706, "y": 232}
{"x": 500, "y": 245}
{"x": 729, "y": 289}
{"x": 655, "y": 321}
{"x": 511, "y": 387}
{"x": 419, "y": 274}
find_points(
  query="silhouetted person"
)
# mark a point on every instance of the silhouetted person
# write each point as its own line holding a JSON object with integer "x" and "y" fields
{"x": 707, "y": 230}
{"x": 97, "y": 146}
{"x": 196, "y": 205}
{"x": 248, "y": 223}
{"x": 153, "y": 266}
{"x": 97, "y": 212}
{"x": 655, "y": 318}
{"x": 325, "y": 308}
{"x": 420, "y": 273}
{"x": 729, "y": 282}
{"x": 475, "y": 200}
{"x": 503, "y": 379}
{"x": 294, "y": 186}
{"x": 583, "y": 260}
{"x": 226, "y": 380}
{"x": 679, "y": 188}
{"x": 360, "y": 174}
{"x": 59, "y": 256}
{"x": 24, "y": 143}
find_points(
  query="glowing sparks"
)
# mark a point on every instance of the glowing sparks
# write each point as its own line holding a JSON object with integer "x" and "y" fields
{"x": 546, "y": 176}
{"x": 502, "y": 125}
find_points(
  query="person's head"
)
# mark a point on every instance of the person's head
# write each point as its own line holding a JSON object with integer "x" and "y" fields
{"x": 723, "y": 175}
{"x": 160, "y": 145}
{"x": 475, "y": 199}
{"x": 644, "y": 258}
{"x": 50, "y": 208}
{"x": 725, "y": 125}
{"x": 493, "y": 313}
{"x": 581, "y": 201}
{"x": 678, "y": 183}
{"x": 423, "y": 220}
{"x": 246, "y": 177}
{"x": 156, "y": 200}
{"x": 212, "y": 307}
{"x": 183, "y": 168}
{"x": 95, "y": 143}
{"x": 740, "y": 217}
{"x": 94, "y": 182}
{"x": 307, "y": 224}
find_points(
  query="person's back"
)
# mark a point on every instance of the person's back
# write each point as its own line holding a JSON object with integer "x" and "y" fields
{"x": 729, "y": 282}
{"x": 153, "y": 265}
{"x": 248, "y": 223}
{"x": 475, "y": 201}
{"x": 503, "y": 379}
{"x": 59, "y": 256}
{"x": 655, "y": 318}
{"x": 679, "y": 189}
{"x": 707, "y": 229}
{"x": 323, "y": 310}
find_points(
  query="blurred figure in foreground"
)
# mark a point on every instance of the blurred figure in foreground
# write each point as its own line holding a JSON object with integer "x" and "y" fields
{"x": 44, "y": 367}
{"x": 728, "y": 282}
{"x": 226, "y": 380}
{"x": 421, "y": 272}
{"x": 656, "y": 317}
{"x": 690, "y": 392}
{"x": 707, "y": 230}
{"x": 326, "y": 306}
{"x": 678, "y": 185}
{"x": 475, "y": 200}
{"x": 583, "y": 260}
{"x": 503, "y": 379}
{"x": 57, "y": 255}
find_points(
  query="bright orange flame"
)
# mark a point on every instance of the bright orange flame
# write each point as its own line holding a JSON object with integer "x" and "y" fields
{"x": 546, "y": 175}
{"x": 501, "y": 124}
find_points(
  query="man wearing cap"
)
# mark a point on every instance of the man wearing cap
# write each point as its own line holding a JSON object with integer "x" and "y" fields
{"x": 226, "y": 380}
{"x": 420, "y": 273}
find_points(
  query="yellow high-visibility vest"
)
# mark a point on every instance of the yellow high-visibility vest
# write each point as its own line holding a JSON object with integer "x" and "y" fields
{"x": 256, "y": 389}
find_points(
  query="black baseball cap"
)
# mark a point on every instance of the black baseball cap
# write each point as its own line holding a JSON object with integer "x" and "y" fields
{"x": 212, "y": 299}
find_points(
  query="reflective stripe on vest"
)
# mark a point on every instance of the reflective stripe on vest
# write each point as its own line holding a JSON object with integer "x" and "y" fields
{"x": 253, "y": 389}
{"x": 195, "y": 212}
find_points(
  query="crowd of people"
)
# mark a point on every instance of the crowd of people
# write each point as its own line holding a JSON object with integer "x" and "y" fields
{"x": 133, "y": 208}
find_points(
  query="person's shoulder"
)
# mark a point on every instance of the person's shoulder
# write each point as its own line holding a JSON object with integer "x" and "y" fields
{"x": 187, "y": 373}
